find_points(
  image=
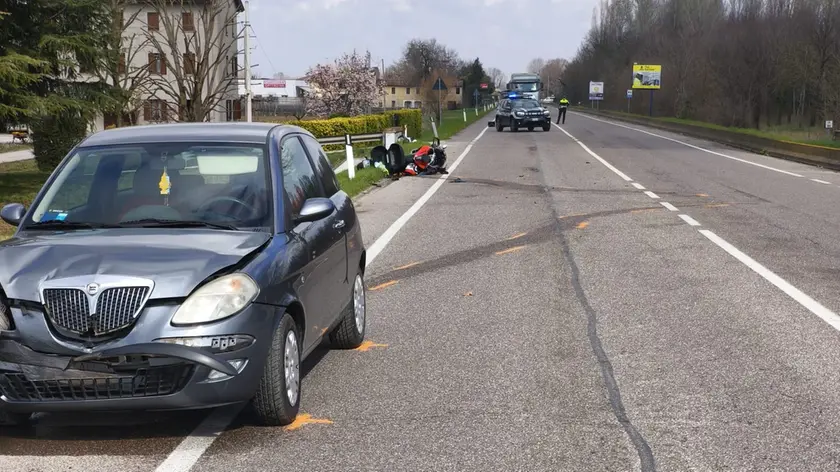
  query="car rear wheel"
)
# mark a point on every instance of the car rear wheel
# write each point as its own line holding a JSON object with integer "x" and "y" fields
{"x": 278, "y": 398}
{"x": 350, "y": 332}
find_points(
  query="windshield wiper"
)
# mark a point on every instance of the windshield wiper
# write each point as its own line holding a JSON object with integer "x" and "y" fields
{"x": 162, "y": 223}
{"x": 61, "y": 224}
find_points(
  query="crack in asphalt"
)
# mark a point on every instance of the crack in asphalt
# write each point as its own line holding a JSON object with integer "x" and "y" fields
{"x": 648, "y": 463}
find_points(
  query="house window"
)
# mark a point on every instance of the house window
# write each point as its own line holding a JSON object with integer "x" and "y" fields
{"x": 417, "y": 90}
{"x": 393, "y": 90}
{"x": 233, "y": 110}
{"x": 157, "y": 65}
{"x": 418, "y": 104}
{"x": 407, "y": 104}
{"x": 154, "y": 110}
{"x": 393, "y": 104}
{"x": 121, "y": 64}
{"x": 234, "y": 66}
{"x": 457, "y": 90}
{"x": 153, "y": 21}
{"x": 189, "y": 63}
{"x": 187, "y": 21}
{"x": 408, "y": 91}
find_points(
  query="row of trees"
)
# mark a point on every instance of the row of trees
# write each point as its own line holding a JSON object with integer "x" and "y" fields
{"x": 745, "y": 63}
{"x": 76, "y": 58}
{"x": 352, "y": 85}
{"x": 550, "y": 72}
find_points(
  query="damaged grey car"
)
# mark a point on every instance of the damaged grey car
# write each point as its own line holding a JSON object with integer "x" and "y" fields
{"x": 182, "y": 266}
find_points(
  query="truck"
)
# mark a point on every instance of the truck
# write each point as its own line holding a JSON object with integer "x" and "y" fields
{"x": 525, "y": 85}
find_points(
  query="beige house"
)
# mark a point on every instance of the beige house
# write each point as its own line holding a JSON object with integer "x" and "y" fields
{"x": 190, "y": 17}
{"x": 413, "y": 96}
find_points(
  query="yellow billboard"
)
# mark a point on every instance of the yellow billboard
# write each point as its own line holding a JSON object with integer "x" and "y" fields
{"x": 647, "y": 77}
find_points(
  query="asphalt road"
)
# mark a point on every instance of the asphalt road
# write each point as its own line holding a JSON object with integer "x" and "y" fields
{"x": 541, "y": 311}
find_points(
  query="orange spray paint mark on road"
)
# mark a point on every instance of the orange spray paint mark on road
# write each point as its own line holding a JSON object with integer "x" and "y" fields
{"x": 702, "y": 194}
{"x": 717, "y": 205}
{"x": 410, "y": 264}
{"x": 510, "y": 250}
{"x": 368, "y": 345}
{"x": 516, "y": 236}
{"x": 381, "y": 286}
{"x": 305, "y": 419}
{"x": 582, "y": 224}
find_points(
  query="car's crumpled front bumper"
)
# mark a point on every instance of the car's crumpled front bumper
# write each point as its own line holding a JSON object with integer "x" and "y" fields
{"x": 135, "y": 376}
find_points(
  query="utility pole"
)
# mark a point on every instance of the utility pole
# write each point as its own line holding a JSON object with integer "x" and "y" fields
{"x": 248, "y": 110}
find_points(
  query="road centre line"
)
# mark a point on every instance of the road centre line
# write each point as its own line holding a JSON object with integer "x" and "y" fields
{"x": 693, "y": 146}
{"x": 651, "y": 194}
{"x": 820, "y": 181}
{"x": 192, "y": 447}
{"x": 797, "y": 295}
{"x": 609, "y": 166}
{"x": 668, "y": 206}
{"x": 638, "y": 185}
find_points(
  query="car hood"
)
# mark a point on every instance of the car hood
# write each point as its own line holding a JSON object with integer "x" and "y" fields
{"x": 177, "y": 260}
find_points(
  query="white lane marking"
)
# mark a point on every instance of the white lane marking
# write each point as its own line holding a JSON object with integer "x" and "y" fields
{"x": 651, "y": 194}
{"x": 190, "y": 450}
{"x": 386, "y": 237}
{"x": 800, "y": 297}
{"x": 668, "y": 206}
{"x": 609, "y": 166}
{"x": 821, "y": 181}
{"x": 693, "y": 146}
{"x": 638, "y": 185}
{"x": 689, "y": 220}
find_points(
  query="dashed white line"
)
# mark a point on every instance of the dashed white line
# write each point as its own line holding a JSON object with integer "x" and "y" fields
{"x": 693, "y": 146}
{"x": 607, "y": 164}
{"x": 668, "y": 206}
{"x": 797, "y": 295}
{"x": 638, "y": 185}
{"x": 800, "y": 297}
{"x": 192, "y": 447}
{"x": 651, "y": 194}
{"x": 691, "y": 221}
{"x": 820, "y": 181}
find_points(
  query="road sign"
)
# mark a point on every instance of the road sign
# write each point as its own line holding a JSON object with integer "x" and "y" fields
{"x": 439, "y": 85}
{"x": 829, "y": 124}
{"x": 596, "y": 90}
{"x": 484, "y": 86}
{"x": 629, "y": 94}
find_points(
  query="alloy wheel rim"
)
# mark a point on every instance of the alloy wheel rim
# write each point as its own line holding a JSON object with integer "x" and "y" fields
{"x": 359, "y": 303}
{"x": 291, "y": 361}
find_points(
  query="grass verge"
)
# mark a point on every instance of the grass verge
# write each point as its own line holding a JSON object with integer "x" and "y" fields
{"x": 362, "y": 181}
{"x": 9, "y": 147}
{"x": 19, "y": 182}
{"x": 810, "y": 136}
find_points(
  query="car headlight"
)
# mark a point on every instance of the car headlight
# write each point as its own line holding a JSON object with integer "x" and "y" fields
{"x": 217, "y": 300}
{"x": 519, "y": 113}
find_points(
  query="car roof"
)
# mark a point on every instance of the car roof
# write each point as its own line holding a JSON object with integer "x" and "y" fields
{"x": 231, "y": 132}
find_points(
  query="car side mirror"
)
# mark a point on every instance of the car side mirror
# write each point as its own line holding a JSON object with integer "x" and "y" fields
{"x": 315, "y": 209}
{"x": 13, "y": 213}
{"x": 491, "y": 124}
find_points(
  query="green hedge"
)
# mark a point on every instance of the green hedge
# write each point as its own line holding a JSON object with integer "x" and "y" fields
{"x": 364, "y": 124}
{"x": 53, "y": 137}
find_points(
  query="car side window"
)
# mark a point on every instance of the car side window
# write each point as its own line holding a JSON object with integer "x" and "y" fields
{"x": 322, "y": 165}
{"x": 299, "y": 179}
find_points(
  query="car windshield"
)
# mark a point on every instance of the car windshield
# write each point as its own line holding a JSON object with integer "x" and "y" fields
{"x": 160, "y": 184}
{"x": 525, "y": 104}
{"x": 526, "y": 87}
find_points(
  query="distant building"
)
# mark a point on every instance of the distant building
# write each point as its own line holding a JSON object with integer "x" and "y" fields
{"x": 412, "y": 96}
{"x": 157, "y": 106}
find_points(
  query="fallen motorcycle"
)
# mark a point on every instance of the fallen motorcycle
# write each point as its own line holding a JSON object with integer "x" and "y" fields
{"x": 428, "y": 160}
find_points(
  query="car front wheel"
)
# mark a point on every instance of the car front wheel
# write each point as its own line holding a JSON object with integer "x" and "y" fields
{"x": 350, "y": 331}
{"x": 278, "y": 398}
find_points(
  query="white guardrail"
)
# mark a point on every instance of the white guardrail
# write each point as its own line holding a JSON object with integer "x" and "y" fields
{"x": 386, "y": 138}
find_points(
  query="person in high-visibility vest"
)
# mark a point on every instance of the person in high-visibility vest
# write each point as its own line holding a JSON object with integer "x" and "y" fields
{"x": 564, "y": 104}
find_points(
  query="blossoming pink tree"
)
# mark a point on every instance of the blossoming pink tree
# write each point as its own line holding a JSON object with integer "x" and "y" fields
{"x": 348, "y": 87}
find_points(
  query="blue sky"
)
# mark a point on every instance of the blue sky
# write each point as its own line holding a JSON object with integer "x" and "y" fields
{"x": 295, "y": 34}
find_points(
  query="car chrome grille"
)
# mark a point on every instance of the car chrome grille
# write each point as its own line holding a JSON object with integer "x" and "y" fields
{"x": 116, "y": 308}
{"x": 145, "y": 382}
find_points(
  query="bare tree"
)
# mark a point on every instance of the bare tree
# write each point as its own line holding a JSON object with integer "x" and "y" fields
{"x": 497, "y": 77}
{"x": 121, "y": 67}
{"x": 195, "y": 62}
{"x": 535, "y": 66}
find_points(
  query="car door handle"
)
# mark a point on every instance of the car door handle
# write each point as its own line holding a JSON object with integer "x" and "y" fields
{"x": 338, "y": 224}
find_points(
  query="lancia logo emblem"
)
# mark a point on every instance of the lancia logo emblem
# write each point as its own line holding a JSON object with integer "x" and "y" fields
{"x": 92, "y": 289}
